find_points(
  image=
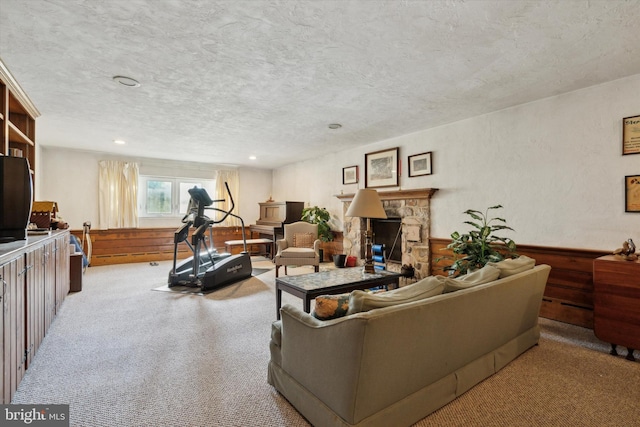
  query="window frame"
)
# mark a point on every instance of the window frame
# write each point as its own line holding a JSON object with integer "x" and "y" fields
{"x": 207, "y": 183}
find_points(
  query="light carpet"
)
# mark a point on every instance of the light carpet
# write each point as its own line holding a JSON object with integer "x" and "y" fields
{"x": 122, "y": 355}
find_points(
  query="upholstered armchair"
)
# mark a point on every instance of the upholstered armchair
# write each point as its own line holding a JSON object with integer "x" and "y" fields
{"x": 300, "y": 246}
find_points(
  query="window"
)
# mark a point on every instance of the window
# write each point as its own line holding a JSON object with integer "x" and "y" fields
{"x": 168, "y": 197}
{"x": 158, "y": 197}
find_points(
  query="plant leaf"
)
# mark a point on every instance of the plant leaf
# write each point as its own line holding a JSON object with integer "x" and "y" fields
{"x": 473, "y": 224}
{"x": 501, "y": 227}
{"x": 475, "y": 215}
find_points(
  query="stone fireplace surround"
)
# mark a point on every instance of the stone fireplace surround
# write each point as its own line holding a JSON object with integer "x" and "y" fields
{"x": 413, "y": 207}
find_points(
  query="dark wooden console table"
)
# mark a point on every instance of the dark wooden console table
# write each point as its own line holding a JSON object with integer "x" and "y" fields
{"x": 616, "y": 302}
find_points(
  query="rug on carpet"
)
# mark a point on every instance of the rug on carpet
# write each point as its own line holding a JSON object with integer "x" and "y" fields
{"x": 260, "y": 265}
{"x": 194, "y": 290}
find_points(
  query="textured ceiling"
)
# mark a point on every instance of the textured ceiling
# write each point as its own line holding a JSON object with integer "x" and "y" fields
{"x": 223, "y": 80}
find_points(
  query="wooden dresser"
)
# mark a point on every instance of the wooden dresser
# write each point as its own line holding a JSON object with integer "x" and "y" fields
{"x": 616, "y": 298}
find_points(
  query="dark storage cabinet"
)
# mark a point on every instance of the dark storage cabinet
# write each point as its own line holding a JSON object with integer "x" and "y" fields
{"x": 75, "y": 272}
{"x": 34, "y": 279}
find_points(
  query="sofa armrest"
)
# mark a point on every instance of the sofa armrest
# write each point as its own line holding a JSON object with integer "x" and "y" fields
{"x": 316, "y": 246}
{"x": 324, "y": 356}
{"x": 301, "y": 316}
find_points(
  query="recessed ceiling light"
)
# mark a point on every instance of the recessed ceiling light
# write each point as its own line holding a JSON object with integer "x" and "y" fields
{"x": 119, "y": 141}
{"x": 335, "y": 126}
{"x": 252, "y": 157}
{"x": 126, "y": 81}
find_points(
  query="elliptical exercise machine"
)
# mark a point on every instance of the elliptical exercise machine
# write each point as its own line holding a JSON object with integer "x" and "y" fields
{"x": 206, "y": 268}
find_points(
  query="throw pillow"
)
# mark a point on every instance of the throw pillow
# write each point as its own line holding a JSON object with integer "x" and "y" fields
{"x": 509, "y": 267}
{"x": 329, "y": 307}
{"x": 303, "y": 240}
{"x": 363, "y": 301}
{"x": 485, "y": 274}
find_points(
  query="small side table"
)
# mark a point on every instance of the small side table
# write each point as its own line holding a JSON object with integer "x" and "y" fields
{"x": 75, "y": 272}
{"x": 616, "y": 302}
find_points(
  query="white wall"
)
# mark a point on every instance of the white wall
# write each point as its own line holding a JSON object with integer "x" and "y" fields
{"x": 70, "y": 178}
{"x": 314, "y": 182}
{"x": 555, "y": 165}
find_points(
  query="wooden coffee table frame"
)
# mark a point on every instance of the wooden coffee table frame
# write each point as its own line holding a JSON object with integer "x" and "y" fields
{"x": 338, "y": 281}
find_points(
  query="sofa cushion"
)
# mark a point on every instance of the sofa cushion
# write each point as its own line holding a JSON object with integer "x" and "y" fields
{"x": 485, "y": 274}
{"x": 511, "y": 266}
{"x": 303, "y": 240}
{"x": 329, "y": 307}
{"x": 363, "y": 301}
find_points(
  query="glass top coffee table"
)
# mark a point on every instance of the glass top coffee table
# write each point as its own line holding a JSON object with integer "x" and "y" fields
{"x": 336, "y": 281}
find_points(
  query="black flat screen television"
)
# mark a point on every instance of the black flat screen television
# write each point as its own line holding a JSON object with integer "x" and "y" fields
{"x": 16, "y": 191}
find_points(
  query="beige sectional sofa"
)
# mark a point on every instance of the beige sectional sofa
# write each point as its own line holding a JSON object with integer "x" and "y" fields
{"x": 394, "y": 365}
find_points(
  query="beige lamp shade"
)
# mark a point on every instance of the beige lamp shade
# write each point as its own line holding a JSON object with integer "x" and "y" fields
{"x": 366, "y": 204}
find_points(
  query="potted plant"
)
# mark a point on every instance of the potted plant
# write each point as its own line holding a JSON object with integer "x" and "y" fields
{"x": 320, "y": 216}
{"x": 479, "y": 246}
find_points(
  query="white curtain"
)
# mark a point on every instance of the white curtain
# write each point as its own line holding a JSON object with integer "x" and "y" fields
{"x": 231, "y": 178}
{"x": 118, "y": 198}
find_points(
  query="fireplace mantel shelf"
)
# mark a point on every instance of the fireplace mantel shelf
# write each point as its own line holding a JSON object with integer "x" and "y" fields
{"x": 417, "y": 193}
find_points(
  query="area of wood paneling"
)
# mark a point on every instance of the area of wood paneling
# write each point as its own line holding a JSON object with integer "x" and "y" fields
{"x": 568, "y": 296}
{"x": 129, "y": 245}
{"x": 333, "y": 247}
{"x": 122, "y": 246}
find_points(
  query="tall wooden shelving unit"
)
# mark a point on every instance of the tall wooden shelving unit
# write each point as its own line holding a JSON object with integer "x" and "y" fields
{"x": 34, "y": 273}
{"x": 17, "y": 120}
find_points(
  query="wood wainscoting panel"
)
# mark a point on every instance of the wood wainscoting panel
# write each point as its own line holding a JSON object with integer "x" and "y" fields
{"x": 128, "y": 245}
{"x": 333, "y": 247}
{"x": 568, "y": 296}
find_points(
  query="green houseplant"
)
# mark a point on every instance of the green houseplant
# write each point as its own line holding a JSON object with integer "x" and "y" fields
{"x": 320, "y": 216}
{"x": 479, "y": 246}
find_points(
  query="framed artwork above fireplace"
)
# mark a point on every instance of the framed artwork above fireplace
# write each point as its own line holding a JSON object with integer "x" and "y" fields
{"x": 350, "y": 175}
{"x": 420, "y": 164}
{"x": 381, "y": 168}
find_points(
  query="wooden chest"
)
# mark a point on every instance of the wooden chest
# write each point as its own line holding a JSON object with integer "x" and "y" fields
{"x": 617, "y": 302}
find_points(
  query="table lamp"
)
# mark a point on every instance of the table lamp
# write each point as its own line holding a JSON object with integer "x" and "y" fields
{"x": 367, "y": 204}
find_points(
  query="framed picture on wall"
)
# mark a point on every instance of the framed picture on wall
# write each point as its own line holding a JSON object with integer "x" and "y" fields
{"x": 350, "y": 175}
{"x": 381, "y": 168}
{"x": 420, "y": 164}
{"x": 631, "y": 135}
{"x": 632, "y": 193}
